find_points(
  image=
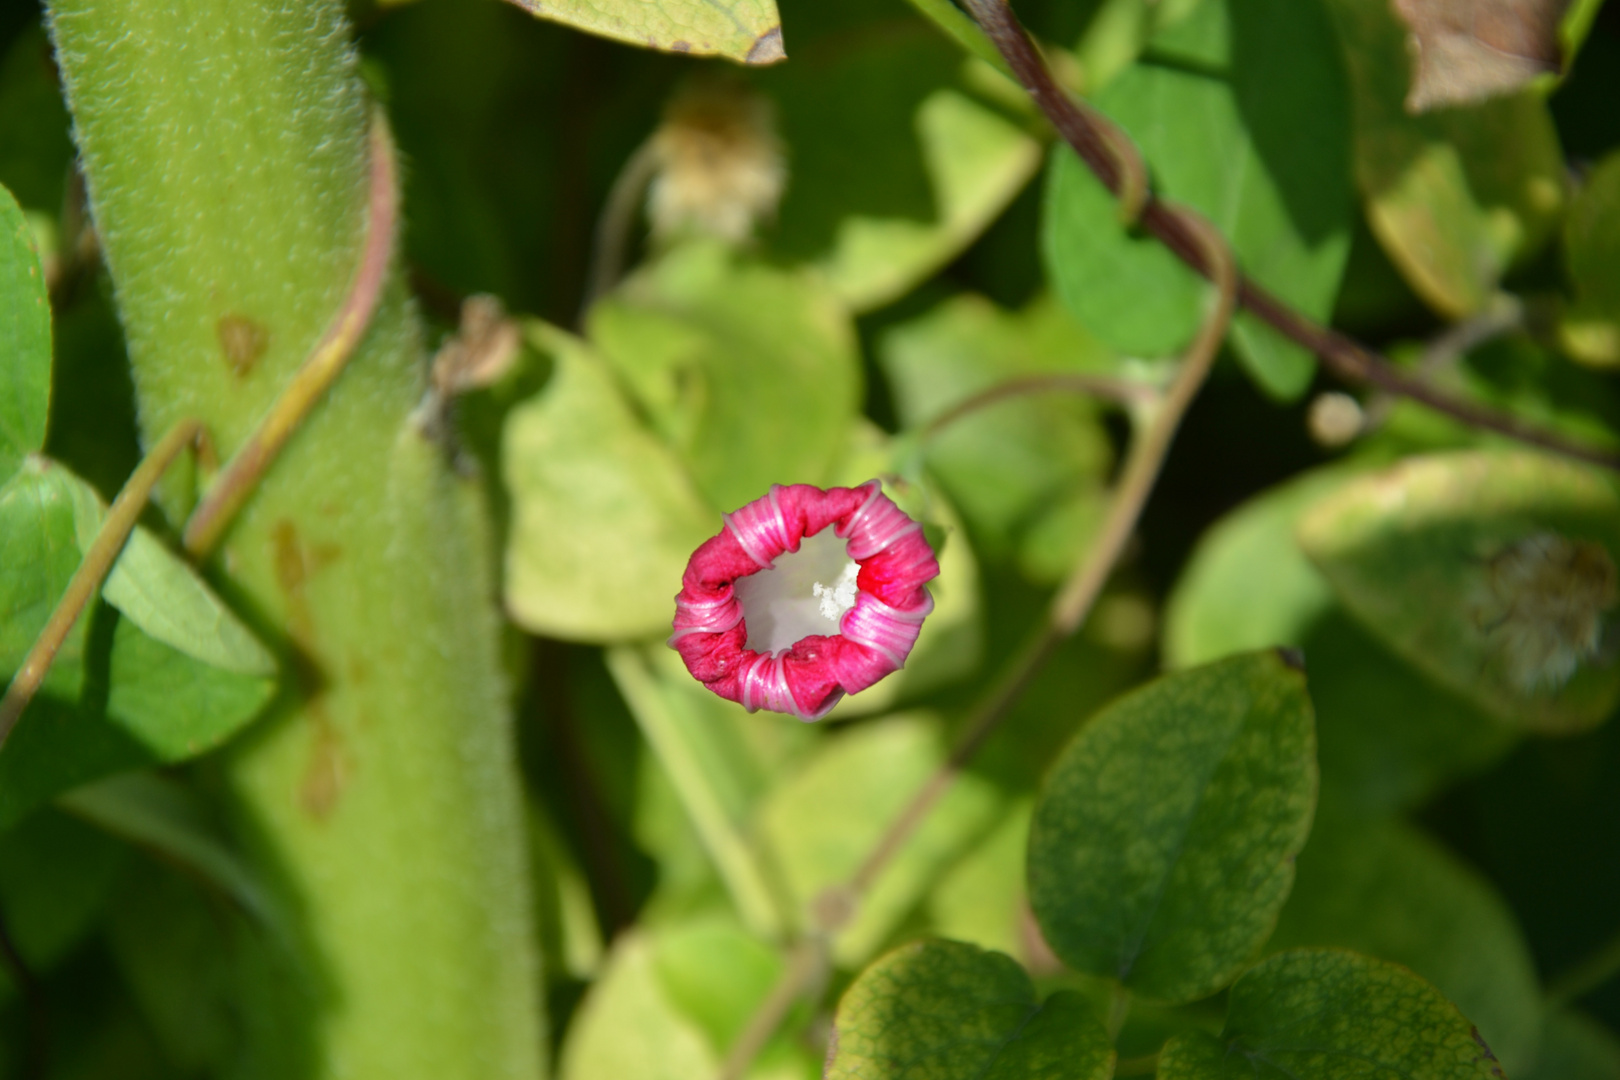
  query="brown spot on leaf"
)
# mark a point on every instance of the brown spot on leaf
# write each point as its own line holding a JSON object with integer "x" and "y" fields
{"x": 680, "y": 46}
{"x": 1292, "y": 658}
{"x": 242, "y": 340}
{"x": 327, "y": 772}
{"x": 1464, "y": 51}
{"x": 767, "y": 48}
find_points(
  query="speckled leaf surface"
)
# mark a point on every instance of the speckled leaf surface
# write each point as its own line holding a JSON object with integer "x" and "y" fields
{"x": 1385, "y": 889}
{"x": 748, "y": 31}
{"x": 1242, "y": 112}
{"x": 603, "y": 516}
{"x": 943, "y": 1010}
{"x": 1446, "y": 559}
{"x": 1164, "y": 838}
{"x": 1332, "y": 1015}
{"x": 749, "y": 373}
{"x": 1387, "y": 735}
{"x": 25, "y": 340}
{"x": 1590, "y": 329}
{"x": 1456, "y": 196}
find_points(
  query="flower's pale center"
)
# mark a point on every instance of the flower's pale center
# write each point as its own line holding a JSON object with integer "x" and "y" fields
{"x": 804, "y": 592}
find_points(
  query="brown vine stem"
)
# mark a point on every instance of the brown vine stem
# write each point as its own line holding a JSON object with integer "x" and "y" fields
{"x": 1119, "y": 391}
{"x": 618, "y": 218}
{"x": 1345, "y": 357}
{"x": 93, "y": 569}
{"x": 320, "y": 368}
{"x": 1070, "y": 605}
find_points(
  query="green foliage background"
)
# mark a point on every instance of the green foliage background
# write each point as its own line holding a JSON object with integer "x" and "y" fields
{"x": 1285, "y": 805}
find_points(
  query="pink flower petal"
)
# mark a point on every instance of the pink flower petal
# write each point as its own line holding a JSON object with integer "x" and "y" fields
{"x": 875, "y": 636}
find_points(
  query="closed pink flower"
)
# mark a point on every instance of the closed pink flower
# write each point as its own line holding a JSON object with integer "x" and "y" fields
{"x": 795, "y": 634}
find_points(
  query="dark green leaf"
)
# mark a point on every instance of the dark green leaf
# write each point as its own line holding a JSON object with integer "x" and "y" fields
{"x": 1492, "y": 572}
{"x": 25, "y": 340}
{"x": 1331, "y": 1015}
{"x": 1574, "y": 1047}
{"x": 751, "y": 374}
{"x": 1386, "y": 735}
{"x": 942, "y": 1010}
{"x": 1163, "y": 841}
{"x": 1243, "y": 113}
{"x": 1387, "y": 890}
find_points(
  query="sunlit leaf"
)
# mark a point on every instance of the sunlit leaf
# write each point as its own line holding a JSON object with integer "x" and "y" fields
{"x": 1386, "y": 890}
{"x": 749, "y": 373}
{"x": 1164, "y": 838}
{"x": 1242, "y": 111}
{"x": 749, "y": 31}
{"x": 1011, "y": 465}
{"x": 1455, "y": 197}
{"x": 25, "y": 340}
{"x": 1590, "y": 330}
{"x": 669, "y": 1005}
{"x": 823, "y": 822}
{"x": 603, "y": 516}
{"x": 1492, "y": 572}
{"x": 982, "y": 900}
{"x": 893, "y": 169}
{"x": 943, "y": 1010}
{"x": 1333, "y": 1015}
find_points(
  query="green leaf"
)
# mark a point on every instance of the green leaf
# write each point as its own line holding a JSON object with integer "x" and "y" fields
{"x": 1242, "y": 111}
{"x": 1574, "y": 1047}
{"x": 1384, "y": 889}
{"x": 1009, "y": 466}
{"x": 1491, "y": 571}
{"x": 1332, "y": 1015}
{"x": 25, "y": 340}
{"x": 1456, "y": 196}
{"x": 603, "y": 516}
{"x": 166, "y": 819}
{"x": 943, "y": 1010}
{"x": 748, "y": 31}
{"x": 55, "y": 878}
{"x": 823, "y": 822}
{"x": 1164, "y": 838}
{"x": 751, "y": 374}
{"x": 670, "y": 1004}
{"x": 894, "y": 169}
{"x": 982, "y": 900}
{"x": 170, "y": 678}
{"x": 1590, "y": 329}
{"x": 1386, "y": 735}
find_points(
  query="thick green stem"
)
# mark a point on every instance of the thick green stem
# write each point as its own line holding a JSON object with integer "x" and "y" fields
{"x": 225, "y": 145}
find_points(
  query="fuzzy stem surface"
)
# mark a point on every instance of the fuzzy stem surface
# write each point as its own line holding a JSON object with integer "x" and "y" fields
{"x": 225, "y": 145}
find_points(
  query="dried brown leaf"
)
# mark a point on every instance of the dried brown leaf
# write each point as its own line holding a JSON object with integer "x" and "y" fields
{"x": 1464, "y": 51}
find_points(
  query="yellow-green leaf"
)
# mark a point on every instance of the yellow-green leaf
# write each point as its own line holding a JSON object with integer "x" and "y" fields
{"x": 748, "y": 31}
